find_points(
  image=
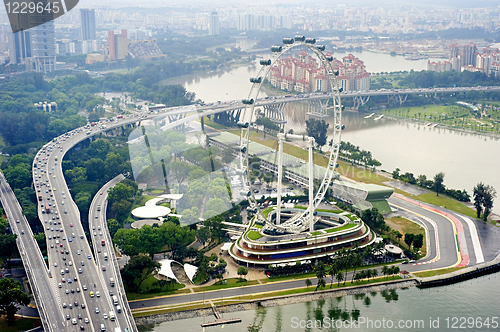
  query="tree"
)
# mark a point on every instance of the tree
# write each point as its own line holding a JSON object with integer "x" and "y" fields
{"x": 317, "y": 129}
{"x": 478, "y": 194}
{"x": 395, "y": 173}
{"x": 409, "y": 237}
{"x": 484, "y": 196}
{"x": 203, "y": 234}
{"x": 113, "y": 226}
{"x": 180, "y": 170}
{"x": 418, "y": 241}
{"x": 438, "y": 183}
{"x": 321, "y": 283}
{"x": 120, "y": 192}
{"x": 7, "y": 246}
{"x": 242, "y": 271}
{"x": 267, "y": 124}
{"x": 489, "y": 195}
{"x": 339, "y": 277}
{"x": 332, "y": 271}
{"x": 355, "y": 262}
{"x": 385, "y": 270}
{"x": 138, "y": 269}
{"x": 308, "y": 283}
{"x": 11, "y": 296}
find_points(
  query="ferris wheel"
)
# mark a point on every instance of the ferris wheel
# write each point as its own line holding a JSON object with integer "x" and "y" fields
{"x": 300, "y": 221}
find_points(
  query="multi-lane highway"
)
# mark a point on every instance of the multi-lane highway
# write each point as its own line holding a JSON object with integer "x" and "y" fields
{"x": 45, "y": 297}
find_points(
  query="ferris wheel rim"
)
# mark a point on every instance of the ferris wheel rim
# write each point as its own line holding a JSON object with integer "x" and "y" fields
{"x": 337, "y": 126}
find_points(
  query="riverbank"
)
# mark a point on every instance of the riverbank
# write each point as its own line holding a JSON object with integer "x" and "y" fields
{"x": 444, "y": 126}
{"x": 274, "y": 301}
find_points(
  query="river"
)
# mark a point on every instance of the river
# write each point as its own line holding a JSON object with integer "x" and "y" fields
{"x": 474, "y": 300}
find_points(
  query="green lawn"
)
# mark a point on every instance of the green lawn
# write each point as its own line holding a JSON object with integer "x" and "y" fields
{"x": 447, "y": 202}
{"x": 2, "y": 158}
{"x": 172, "y": 289}
{"x": 230, "y": 283}
{"x": 341, "y": 228}
{"x": 252, "y": 235}
{"x": 403, "y": 226}
{"x": 316, "y": 233}
{"x": 213, "y": 124}
{"x": 157, "y": 192}
{"x": 266, "y": 211}
{"x": 437, "y": 272}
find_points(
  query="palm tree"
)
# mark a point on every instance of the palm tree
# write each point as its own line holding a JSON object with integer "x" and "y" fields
{"x": 321, "y": 283}
{"x": 395, "y": 270}
{"x": 374, "y": 273}
{"x": 339, "y": 277}
{"x": 385, "y": 270}
{"x": 308, "y": 283}
{"x": 332, "y": 271}
{"x": 355, "y": 261}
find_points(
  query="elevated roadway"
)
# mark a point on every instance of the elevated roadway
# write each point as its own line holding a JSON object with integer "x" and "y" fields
{"x": 46, "y": 299}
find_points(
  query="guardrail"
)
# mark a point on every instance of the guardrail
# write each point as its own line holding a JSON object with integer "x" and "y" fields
{"x": 112, "y": 257}
{"x": 24, "y": 257}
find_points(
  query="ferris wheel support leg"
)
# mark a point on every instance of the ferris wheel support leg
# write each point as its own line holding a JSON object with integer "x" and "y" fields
{"x": 281, "y": 137}
{"x": 311, "y": 184}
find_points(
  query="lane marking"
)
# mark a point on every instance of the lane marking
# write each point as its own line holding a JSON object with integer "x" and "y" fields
{"x": 476, "y": 244}
{"x": 462, "y": 259}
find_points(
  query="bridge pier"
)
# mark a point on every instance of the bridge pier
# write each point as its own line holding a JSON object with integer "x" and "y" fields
{"x": 318, "y": 108}
{"x": 360, "y": 101}
{"x": 275, "y": 113}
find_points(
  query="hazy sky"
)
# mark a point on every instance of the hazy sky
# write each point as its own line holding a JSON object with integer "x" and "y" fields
{"x": 176, "y": 3}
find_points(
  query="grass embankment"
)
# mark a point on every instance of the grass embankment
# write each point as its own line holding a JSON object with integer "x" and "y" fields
{"x": 146, "y": 284}
{"x": 230, "y": 283}
{"x": 249, "y": 298}
{"x": 252, "y": 235}
{"x": 446, "y": 202}
{"x": 405, "y": 226}
{"x": 433, "y": 273}
{"x": 451, "y": 115}
{"x": 214, "y": 125}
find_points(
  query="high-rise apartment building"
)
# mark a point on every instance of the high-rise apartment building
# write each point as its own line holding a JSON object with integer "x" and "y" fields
{"x": 88, "y": 26}
{"x": 213, "y": 24}
{"x": 117, "y": 45}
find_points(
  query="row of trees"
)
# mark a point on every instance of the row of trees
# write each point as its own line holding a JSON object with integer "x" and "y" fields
{"x": 358, "y": 156}
{"x": 436, "y": 184}
{"x": 149, "y": 240}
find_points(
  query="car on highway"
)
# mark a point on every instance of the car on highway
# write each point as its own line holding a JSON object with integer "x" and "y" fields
{"x": 73, "y": 321}
{"x": 70, "y": 239}
{"x": 80, "y": 271}
{"x": 60, "y": 285}
{"x": 72, "y": 291}
{"x": 70, "y": 225}
{"x": 77, "y": 289}
{"x": 86, "y": 320}
{"x": 96, "y": 310}
{"x": 63, "y": 280}
{"x": 105, "y": 315}
{"x": 104, "y": 268}
{"x": 97, "y": 294}
{"x": 68, "y": 317}
{"x": 62, "y": 251}
{"x": 83, "y": 305}
{"x": 84, "y": 287}
{"x": 69, "y": 281}
{"x": 91, "y": 294}
{"x": 67, "y": 291}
